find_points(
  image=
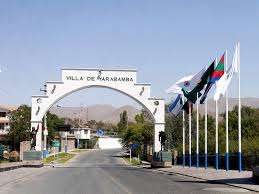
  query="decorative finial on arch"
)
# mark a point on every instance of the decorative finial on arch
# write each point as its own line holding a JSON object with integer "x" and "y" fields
{"x": 38, "y": 110}
{"x": 53, "y": 89}
{"x": 39, "y": 100}
{"x": 156, "y": 103}
{"x": 155, "y": 111}
{"x": 142, "y": 90}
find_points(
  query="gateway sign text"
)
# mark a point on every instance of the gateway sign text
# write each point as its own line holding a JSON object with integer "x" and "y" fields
{"x": 99, "y": 78}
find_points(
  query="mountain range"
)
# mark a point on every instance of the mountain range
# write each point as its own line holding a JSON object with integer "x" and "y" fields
{"x": 99, "y": 112}
{"x": 111, "y": 114}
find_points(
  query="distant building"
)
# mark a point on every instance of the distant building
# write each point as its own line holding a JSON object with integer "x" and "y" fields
{"x": 82, "y": 133}
{"x": 4, "y": 120}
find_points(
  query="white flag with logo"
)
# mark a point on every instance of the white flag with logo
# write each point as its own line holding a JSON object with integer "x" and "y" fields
{"x": 223, "y": 83}
{"x": 187, "y": 83}
{"x": 177, "y": 87}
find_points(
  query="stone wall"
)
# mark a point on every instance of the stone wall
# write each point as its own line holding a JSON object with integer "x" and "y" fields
{"x": 24, "y": 146}
{"x": 70, "y": 144}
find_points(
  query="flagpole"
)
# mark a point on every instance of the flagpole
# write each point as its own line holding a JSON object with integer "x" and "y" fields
{"x": 227, "y": 150}
{"x": 239, "y": 113}
{"x": 216, "y": 149}
{"x": 190, "y": 134}
{"x": 217, "y": 138}
{"x": 197, "y": 133}
{"x": 206, "y": 132}
{"x": 183, "y": 138}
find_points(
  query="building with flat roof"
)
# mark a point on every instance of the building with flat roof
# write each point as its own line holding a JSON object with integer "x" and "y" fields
{"x": 5, "y": 120}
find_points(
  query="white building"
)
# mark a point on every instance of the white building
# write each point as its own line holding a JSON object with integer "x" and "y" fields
{"x": 82, "y": 133}
{"x": 4, "y": 119}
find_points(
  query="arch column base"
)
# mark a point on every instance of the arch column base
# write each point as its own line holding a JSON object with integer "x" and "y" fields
{"x": 157, "y": 144}
{"x": 158, "y": 154}
{"x": 38, "y": 126}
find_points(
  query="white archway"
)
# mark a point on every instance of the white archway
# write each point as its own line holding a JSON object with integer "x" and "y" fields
{"x": 73, "y": 80}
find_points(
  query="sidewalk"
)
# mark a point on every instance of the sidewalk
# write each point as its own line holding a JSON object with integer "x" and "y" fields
{"x": 20, "y": 174}
{"x": 15, "y": 165}
{"x": 234, "y": 178}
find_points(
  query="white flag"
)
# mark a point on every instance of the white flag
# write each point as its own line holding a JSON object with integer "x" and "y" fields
{"x": 177, "y": 87}
{"x": 187, "y": 83}
{"x": 223, "y": 83}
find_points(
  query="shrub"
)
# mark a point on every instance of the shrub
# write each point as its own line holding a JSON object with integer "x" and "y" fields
{"x": 6, "y": 155}
{"x": 14, "y": 156}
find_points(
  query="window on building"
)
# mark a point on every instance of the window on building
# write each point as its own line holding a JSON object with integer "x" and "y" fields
{"x": 2, "y": 126}
{"x": 2, "y": 114}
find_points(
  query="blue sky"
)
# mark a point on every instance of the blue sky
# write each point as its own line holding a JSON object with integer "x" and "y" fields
{"x": 164, "y": 40}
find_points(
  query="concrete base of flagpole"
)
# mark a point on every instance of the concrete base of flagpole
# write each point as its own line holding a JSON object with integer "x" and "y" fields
{"x": 183, "y": 160}
{"x": 217, "y": 161}
{"x": 197, "y": 160}
{"x": 240, "y": 161}
{"x": 206, "y": 161}
{"x": 190, "y": 160}
{"x": 227, "y": 161}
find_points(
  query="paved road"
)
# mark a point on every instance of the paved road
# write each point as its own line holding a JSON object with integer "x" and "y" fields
{"x": 102, "y": 172}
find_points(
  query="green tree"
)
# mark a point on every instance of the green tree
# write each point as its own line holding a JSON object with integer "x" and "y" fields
{"x": 123, "y": 123}
{"x": 174, "y": 132}
{"x": 20, "y": 124}
{"x": 140, "y": 132}
{"x": 250, "y": 130}
{"x": 53, "y": 121}
{"x": 139, "y": 118}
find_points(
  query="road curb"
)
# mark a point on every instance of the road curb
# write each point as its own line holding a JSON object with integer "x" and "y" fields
{"x": 21, "y": 165}
{"x": 209, "y": 181}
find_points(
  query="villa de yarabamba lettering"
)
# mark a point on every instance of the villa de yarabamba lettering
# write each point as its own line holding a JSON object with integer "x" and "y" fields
{"x": 99, "y": 78}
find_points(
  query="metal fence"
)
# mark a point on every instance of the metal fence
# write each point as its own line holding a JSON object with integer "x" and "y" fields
{"x": 248, "y": 161}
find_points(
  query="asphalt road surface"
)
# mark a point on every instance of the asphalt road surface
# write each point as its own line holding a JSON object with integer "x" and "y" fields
{"x": 103, "y": 172}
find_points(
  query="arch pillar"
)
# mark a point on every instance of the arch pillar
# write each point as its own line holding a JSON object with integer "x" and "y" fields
{"x": 37, "y": 126}
{"x": 157, "y": 128}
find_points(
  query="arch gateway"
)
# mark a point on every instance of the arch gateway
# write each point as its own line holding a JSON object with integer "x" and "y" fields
{"x": 121, "y": 80}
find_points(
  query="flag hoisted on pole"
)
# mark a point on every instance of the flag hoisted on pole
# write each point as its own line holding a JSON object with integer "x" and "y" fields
{"x": 176, "y": 105}
{"x": 227, "y": 152}
{"x": 217, "y": 73}
{"x": 197, "y": 134}
{"x": 221, "y": 90}
{"x": 200, "y": 84}
{"x": 223, "y": 83}
{"x": 181, "y": 83}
